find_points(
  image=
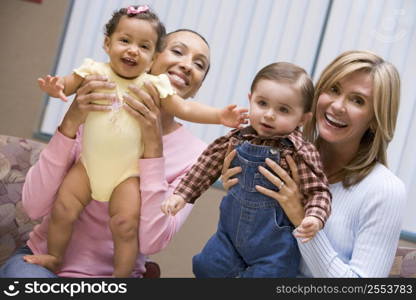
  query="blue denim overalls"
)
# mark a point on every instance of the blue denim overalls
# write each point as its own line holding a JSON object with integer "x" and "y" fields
{"x": 254, "y": 236}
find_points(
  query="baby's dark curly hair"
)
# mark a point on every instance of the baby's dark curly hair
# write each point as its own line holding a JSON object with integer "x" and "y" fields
{"x": 148, "y": 15}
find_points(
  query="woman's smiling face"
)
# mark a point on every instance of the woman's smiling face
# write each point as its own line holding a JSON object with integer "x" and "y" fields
{"x": 345, "y": 111}
{"x": 185, "y": 60}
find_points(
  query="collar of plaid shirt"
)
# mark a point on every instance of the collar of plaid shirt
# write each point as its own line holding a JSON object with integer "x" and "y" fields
{"x": 294, "y": 138}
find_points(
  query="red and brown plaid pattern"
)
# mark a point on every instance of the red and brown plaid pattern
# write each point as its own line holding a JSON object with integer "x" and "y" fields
{"x": 313, "y": 182}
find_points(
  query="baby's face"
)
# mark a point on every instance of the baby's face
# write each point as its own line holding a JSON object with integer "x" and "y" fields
{"x": 276, "y": 108}
{"x": 131, "y": 47}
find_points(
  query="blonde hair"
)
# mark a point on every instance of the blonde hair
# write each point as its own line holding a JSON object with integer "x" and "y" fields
{"x": 386, "y": 98}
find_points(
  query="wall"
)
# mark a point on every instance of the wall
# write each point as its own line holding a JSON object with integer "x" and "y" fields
{"x": 30, "y": 35}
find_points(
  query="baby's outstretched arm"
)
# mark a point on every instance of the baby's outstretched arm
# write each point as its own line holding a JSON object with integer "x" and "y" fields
{"x": 172, "y": 205}
{"x": 60, "y": 87}
{"x": 308, "y": 228}
{"x": 192, "y": 111}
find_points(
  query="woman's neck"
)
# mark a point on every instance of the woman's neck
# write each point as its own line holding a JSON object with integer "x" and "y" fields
{"x": 335, "y": 158}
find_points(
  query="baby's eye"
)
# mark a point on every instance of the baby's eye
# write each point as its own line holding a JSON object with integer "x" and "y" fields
{"x": 145, "y": 47}
{"x": 125, "y": 41}
{"x": 358, "y": 100}
{"x": 262, "y": 103}
{"x": 335, "y": 90}
{"x": 284, "y": 110}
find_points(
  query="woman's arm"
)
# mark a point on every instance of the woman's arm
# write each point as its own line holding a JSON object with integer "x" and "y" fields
{"x": 157, "y": 229}
{"x": 46, "y": 175}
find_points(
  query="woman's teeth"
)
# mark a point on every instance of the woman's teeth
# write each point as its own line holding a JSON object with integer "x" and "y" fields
{"x": 178, "y": 79}
{"x": 334, "y": 121}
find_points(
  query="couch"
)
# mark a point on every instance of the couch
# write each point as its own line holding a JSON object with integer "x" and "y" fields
{"x": 16, "y": 157}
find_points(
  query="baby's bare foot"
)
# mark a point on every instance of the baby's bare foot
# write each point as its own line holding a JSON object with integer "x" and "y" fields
{"x": 48, "y": 261}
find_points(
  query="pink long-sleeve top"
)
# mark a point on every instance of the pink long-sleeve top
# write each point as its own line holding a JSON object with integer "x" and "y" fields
{"x": 90, "y": 250}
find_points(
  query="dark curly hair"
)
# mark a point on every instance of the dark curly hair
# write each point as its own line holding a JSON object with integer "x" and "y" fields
{"x": 148, "y": 15}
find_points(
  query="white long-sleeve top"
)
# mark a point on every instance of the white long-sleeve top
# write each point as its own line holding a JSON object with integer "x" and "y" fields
{"x": 361, "y": 235}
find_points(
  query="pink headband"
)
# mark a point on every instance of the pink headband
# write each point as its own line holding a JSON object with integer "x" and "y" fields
{"x": 134, "y": 11}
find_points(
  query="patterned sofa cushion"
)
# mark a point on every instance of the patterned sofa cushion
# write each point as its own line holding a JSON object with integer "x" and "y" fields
{"x": 17, "y": 155}
{"x": 404, "y": 263}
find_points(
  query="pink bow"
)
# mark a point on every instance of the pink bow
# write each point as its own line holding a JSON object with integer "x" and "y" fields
{"x": 134, "y": 11}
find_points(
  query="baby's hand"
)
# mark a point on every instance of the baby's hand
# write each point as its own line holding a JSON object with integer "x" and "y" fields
{"x": 308, "y": 228}
{"x": 233, "y": 116}
{"x": 172, "y": 205}
{"x": 54, "y": 86}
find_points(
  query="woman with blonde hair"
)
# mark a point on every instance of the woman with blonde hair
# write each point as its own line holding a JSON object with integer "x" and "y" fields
{"x": 354, "y": 116}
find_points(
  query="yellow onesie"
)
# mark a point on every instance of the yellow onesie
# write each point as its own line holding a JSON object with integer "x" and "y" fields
{"x": 112, "y": 142}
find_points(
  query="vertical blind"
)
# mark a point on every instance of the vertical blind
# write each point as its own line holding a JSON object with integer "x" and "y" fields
{"x": 245, "y": 35}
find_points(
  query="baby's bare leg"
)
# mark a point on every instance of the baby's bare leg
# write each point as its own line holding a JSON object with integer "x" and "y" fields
{"x": 73, "y": 195}
{"x": 124, "y": 224}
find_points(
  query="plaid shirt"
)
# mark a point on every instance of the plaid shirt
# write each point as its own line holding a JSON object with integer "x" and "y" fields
{"x": 313, "y": 182}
